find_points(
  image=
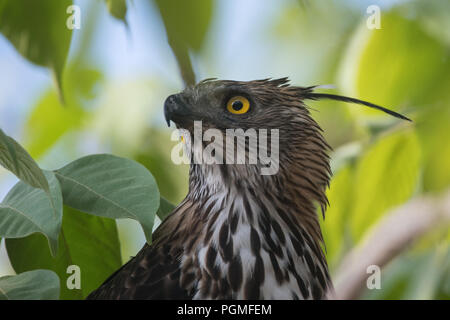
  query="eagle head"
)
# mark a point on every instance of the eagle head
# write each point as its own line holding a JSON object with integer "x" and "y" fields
{"x": 264, "y": 138}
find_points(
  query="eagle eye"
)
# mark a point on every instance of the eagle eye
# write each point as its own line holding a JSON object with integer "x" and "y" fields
{"x": 238, "y": 105}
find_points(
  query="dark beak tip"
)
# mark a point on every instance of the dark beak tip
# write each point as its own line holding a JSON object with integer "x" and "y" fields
{"x": 166, "y": 116}
{"x": 167, "y": 112}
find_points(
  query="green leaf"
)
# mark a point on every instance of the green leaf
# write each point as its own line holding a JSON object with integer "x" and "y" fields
{"x": 8, "y": 151}
{"x": 112, "y": 187}
{"x": 43, "y": 131}
{"x": 378, "y": 64}
{"x": 379, "y": 69}
{"x": 404, "y": 38}
{"x": 17, "y": 160}
{"x": 434, "y": 16}
{"x": 26, "y": 210}
{"x": 32, "y": 285}
{"x": 187, "y": 30}
{"x": 191, "y": 26}
{"x": 340, "y": 196}
{"x": 117, "y": 8}
{"x": 432, "y": 125}
{"x": 90, "y": 242}
{"x": 165, "y": 208}
{"x": 386, "y": 175}
{"x": 38, "y": 31}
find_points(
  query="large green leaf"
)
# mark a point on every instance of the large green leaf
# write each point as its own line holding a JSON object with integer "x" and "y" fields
{"x": 386, "y": 176}
{"x": 186, "y": 30}
{"x": 405, "y": 65}
{"x": 17, "y": 160}
{"x": 400, "y": 66}
{"x": 90, "y": 242}
{"x": 397, "y": 45}
{"x": 38, "y": 31}
{"x": 112, "y": 187}
{"x": 26, "y": 210}
{"x": 32, "y": 285}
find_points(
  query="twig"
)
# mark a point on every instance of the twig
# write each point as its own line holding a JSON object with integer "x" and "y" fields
{"x": 396, "y": 232}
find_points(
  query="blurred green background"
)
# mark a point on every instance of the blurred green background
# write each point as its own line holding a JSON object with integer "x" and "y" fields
{"x": 121, "y": 67}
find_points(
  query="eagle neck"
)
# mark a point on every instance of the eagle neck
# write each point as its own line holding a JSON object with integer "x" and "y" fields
{"x": 256, "y": 226}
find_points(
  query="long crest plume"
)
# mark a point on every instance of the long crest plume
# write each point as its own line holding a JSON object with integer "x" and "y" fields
{"x": 318, "y": 96}
{"x": 308, "y": 93}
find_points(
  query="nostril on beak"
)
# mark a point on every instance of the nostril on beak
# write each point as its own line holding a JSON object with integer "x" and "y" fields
{"x": 171, "y": 99}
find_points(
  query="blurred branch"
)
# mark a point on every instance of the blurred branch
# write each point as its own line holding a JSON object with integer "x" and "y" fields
{"x": 184, "y": 62}
{"x": 391, "y": 236}
{"x": 186, "y": 24}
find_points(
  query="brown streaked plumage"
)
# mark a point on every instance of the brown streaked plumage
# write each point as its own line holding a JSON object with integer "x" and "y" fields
{"x": 239, "y": 234}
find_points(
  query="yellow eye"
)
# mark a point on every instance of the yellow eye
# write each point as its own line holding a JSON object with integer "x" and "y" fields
{"x": 238, "y": 105}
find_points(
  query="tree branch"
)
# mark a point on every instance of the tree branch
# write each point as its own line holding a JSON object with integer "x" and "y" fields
{"x": 391, "y": 236}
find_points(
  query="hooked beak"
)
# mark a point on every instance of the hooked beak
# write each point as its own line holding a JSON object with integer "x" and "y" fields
{"x": 175, "y": 109}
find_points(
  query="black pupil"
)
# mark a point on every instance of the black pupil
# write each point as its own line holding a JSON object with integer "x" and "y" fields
{"x": 237, "y": 105}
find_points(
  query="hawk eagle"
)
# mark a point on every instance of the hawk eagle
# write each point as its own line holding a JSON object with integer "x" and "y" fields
{"x": 239, "y": 234}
